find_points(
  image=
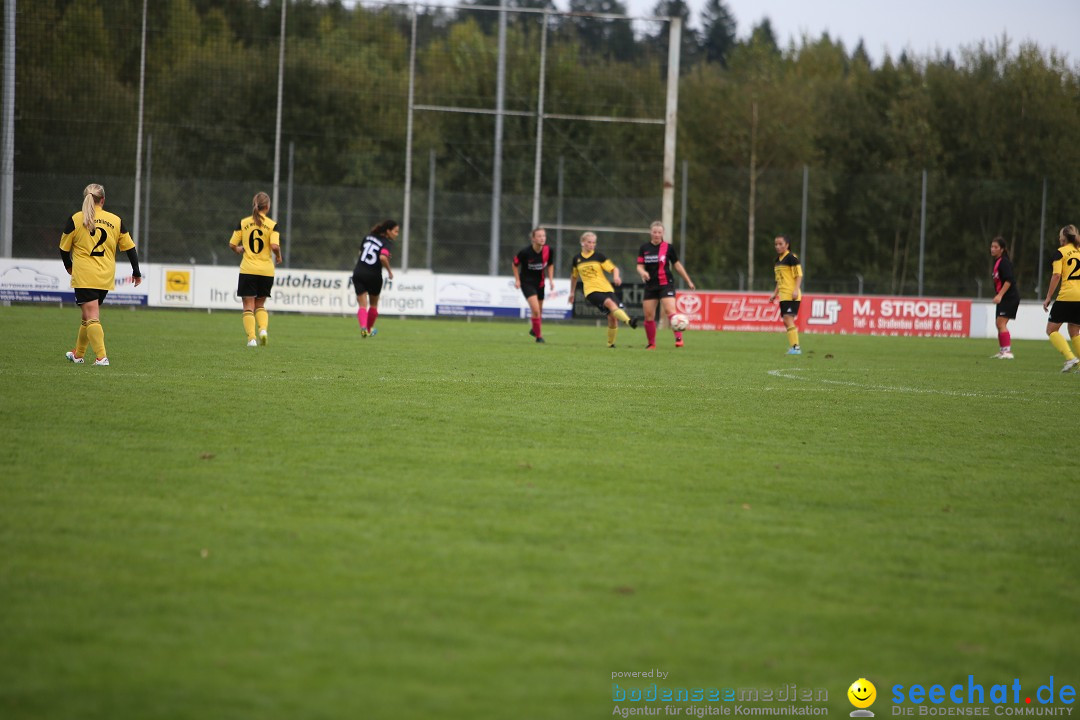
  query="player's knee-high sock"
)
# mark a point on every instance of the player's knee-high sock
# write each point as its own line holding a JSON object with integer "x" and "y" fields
{"x": 262, "y": 318}
{"x": 1076, "y": 344}
{"x": 611, "y": 333}
{"x": 249, "y": 324}
{"x": 793, "y": 336}
{"x": 650, "y": 332}
{"x": 536, "y": 326}
{"x": 96, "y": 335}
{"x": 1061, "y": 345}
{"x": 1005, "y": 340}
{"x": 361, "y": 317}
{"x": 82, "y": 340}
{"x": 621, "y": 314}
{"x": 372, "y": 316}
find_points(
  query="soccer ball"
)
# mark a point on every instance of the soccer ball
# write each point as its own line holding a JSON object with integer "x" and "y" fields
{"x": 679, "y": 322}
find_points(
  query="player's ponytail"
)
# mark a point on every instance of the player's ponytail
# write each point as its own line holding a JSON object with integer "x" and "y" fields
{"x": 92, "y": 195}
{"x": 1070, "y": 234}
{"x": 260, "y": 205}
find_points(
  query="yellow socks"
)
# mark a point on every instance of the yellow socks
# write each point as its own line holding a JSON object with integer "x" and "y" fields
{"x": 96, "y": 335}
{"x": 249, "y": 324}
{"x": 793, "y": 336}
{"x": 621, "y": 314}
{"x": 1076, "y": 345}
{"x": 1061, "y": 345}
{"x": 262, "y": 318}
{"x": 82, "y": 340}
{"x": 611, "y": 333}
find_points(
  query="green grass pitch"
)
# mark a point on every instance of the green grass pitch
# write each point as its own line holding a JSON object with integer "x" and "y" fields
{"x": 450, "y": 521}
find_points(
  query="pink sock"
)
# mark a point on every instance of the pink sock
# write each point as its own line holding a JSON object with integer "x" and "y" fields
{"x": 536, "y": 326}
{"x": 1005, "y": 339}
{"x": 650, "y": 331}
{"x": 361, "y": 316}
{"x": 372, "y": 316}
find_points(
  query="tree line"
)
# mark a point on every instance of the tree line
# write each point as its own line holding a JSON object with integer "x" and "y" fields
{"x": 991, "y": 126}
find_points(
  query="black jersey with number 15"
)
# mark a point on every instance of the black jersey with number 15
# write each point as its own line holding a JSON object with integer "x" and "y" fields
{"x": 371, "y": 250}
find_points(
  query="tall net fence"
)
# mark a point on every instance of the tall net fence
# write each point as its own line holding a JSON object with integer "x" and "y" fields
{"x": 209, "y": 140}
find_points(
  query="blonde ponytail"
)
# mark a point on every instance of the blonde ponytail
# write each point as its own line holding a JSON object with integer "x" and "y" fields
{"x": 92, "y": 195}
{"x": 260, "y": 205}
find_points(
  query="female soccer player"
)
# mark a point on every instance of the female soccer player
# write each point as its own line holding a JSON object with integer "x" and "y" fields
{"x": 1065, "y": 266}
{"x": 367, "y": 275}
{"x": 788, "y": 289}
{"x": 590, "y": 266}
{"x": 256, "y": 238}
{"x": 1007, "y": 298}
{"x": 88, "y": 248}
{"x": 530, "y": 266}
{"x": 655, "y": 262}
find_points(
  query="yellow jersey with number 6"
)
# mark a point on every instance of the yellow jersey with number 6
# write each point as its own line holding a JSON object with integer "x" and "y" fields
{"x": 256, "y": 241}
{"x": 1066, "y": 262}
{"x": 93, "y": 254}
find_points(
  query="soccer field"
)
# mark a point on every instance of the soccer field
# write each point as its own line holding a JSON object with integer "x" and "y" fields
{"x": 450, "y": 521}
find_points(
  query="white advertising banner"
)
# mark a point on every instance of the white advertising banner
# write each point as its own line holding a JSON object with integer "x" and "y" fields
{"x": 24, "y": 280}
{"x": 495, "y": 296}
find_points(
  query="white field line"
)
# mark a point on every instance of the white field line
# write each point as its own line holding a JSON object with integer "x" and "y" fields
{"x": 790, "y": 374}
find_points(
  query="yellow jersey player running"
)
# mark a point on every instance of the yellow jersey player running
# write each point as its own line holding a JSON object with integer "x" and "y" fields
{"x": 1065, "y": 265}
{"x": 788, "y": 289}
{"x": 590, "y": 266}
{"x": 88, "y": 247}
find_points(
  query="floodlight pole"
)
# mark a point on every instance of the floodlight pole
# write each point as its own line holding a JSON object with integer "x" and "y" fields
{"x": 7, "y": 164}
{"x": 671, "y": 123}
{"x": 1042, "y": 241}
{"x": 539, "y": 124}
{"x": 139, "y": 131}
{"x": 922, "y": 234}
{"x": 406, "y": 211}
{"x": 280, "y": 91}
{"x": 496, "y": 167}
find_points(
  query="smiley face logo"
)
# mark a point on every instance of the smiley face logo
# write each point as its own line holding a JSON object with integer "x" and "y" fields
{"x": 862, "y": 693}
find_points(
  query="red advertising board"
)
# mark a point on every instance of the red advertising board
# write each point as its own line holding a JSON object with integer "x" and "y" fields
{"x": 839, "y": 314}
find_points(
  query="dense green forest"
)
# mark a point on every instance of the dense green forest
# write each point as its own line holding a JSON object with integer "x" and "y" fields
{"x": 991, "y": 127}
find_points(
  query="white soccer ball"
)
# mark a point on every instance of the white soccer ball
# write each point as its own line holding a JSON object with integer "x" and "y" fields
{"x": 679, "y": 322}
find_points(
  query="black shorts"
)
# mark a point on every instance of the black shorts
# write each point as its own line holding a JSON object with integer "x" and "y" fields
{"x": 789, "y": 307}
{"x": 599, "y": 298}
{"x": 85, "y": 295}
{"x": 1007, "y": 308}
{"x": 367, "y": 282}
{"x": 660, "y": 291}
{"x": 1065, "y": 311}
{"x": 528, "y": 290}
{"x": 254, "y": 285}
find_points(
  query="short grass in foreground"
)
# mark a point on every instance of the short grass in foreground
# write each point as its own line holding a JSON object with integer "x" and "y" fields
{"x": 451, "y": 521}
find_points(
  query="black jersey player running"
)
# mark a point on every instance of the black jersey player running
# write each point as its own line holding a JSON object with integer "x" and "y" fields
{"x": 657, "y": 262}
{"x": 367, "y": 275}
{"x": 530, "y": 266}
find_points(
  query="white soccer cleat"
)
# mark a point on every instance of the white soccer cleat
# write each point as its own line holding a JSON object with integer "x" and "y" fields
{"x": 263, "y": 337}
{"x": 102, "y": 361}
{"x": 1070, "y": 364}
{"x": 1005, "y": 355}
{"x": 72, "y": 357}
{"x": 997, "y": 355}
{"x": 253, "y": 343}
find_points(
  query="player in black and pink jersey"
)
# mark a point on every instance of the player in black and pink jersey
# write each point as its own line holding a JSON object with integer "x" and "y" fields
{"x": 530, "y": 267}
{"x": 1007, "y": 297}
{"x": 657, "y": 263}
{"x": 367, "y": 275}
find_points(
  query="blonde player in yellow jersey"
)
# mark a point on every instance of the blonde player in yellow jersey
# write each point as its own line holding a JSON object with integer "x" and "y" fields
{"x": 788, "y": 273}
{"x": 88, "y": 248}
{"x": 589, "y": 266}
{"x": 256, "y": 238}
{"x": 1065, "y": 265}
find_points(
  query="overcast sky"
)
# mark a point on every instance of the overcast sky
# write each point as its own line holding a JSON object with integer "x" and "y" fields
{"x": 919, "y": 25}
